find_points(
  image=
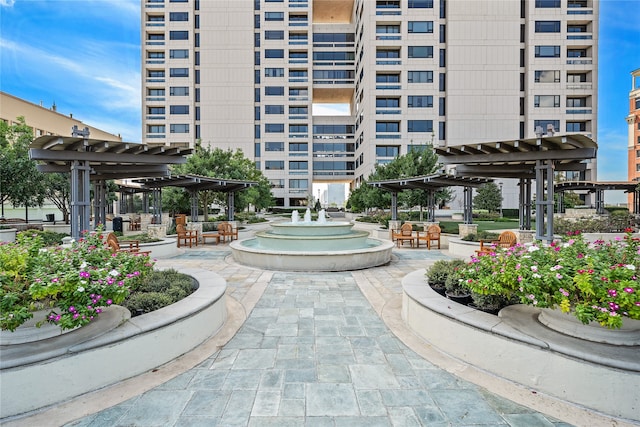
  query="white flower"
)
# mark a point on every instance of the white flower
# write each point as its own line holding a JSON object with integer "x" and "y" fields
{"x": 83, "y": 265}
{"x": 630, "y": 266}
{"x": 536, "y": 276}
{"x": 534, "y": 268}
{"x": 114, "y": 273}
{"x": 80, "y": 289}
{"x": 533, "y": 248}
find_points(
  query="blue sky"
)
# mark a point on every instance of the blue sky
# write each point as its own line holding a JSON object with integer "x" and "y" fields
{"x": 84, "y": 55}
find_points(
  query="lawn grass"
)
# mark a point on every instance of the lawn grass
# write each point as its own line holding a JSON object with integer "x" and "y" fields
{"x": 452, "y": 226}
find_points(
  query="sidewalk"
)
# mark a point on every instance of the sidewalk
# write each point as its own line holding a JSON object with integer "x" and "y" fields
{"x": 315, "y": 349}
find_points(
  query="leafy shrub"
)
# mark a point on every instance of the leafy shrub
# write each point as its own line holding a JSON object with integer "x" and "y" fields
{"x": 49, "y": 238}
{"x": 615, "y": 223}
{"x": 455, "y": 283}
{"x": 482, "y": 235}
{"x": 438, "y": 273}
{"x": 159, "y": 289}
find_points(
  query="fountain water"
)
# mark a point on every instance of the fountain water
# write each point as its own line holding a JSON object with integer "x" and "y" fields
{"x": 308, "y": 245}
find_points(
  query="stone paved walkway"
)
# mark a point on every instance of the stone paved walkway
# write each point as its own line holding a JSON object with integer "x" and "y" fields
{"x": 314, "y": 352}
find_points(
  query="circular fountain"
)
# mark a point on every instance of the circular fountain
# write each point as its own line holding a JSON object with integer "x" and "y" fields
{"x": 312, "y": 246}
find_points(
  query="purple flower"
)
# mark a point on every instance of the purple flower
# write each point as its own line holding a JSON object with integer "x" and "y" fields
{"x": 563, "y": 292}
{"x": 628, "y": 290}
{"x": 612, "y": 293}
{"x": 72, "y": 309}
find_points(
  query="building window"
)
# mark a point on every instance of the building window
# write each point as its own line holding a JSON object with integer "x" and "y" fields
{"x": 420, "y": 4}
{"x": 547, "y": 3}
{"x": 298, "y": 147}
{"x": 546, "y": 101}
{"x": 420, "y": 26}
{"x": 155, "y": 36}
{"x": 274, "y": 146}
{"x": 547, "y": 51}
{"x": 576, "y": 77}
{"x": 274, "y": 53}
{"x": 547, "y": 26}
{"x": 387, "y": 53}
{"x": 179, "y": 109}
{"x": 274, "y": 35}
{"x": 178, "y": 53}
{"x": 274, "y": 109}
{"x": 420, "y": 101}
{"x": 387, "y": 151}
{"x": 387, "y": 126}
{"x": 638, "y": 105}
{"x": 420, "y": 126}
{"x": 178, "y": 16}
{"x": 387, "y": 102}
{"x": 276, "y": 183}
{"x": 637, "y": 154}
{"x": 298, "y": 110}
{"x": 178, "y": 35}
{"x": 274, "y": 165}
{"x": 298, "y": 165}
{"x": 178, "y": 72}
{"x": 274, "y": 72}
{"x": 420, "y": 76}
{"x": 387, "y": 29}
{"x": 576, "y": 127}
{"x": 155, "y": 55}
{"x": 547, "y": 76}
{"x": 155, "y": 92}
{"x": 179, "y": 128}
{"x": 274, "y": 16}
{"x": 155, "y": 110}
{"x": 155, "y": 128}
{"x": 274, "y": 128}
{"x": 576, "y": 53}
{"x": 274, "y": 90}
{"x": 544, "y": 125}
{"x": 155, "y": 73}
{"x": 576, "y": 102}
{"x": 300, "y": 184}
{"x": 155, "y": 18}
{"x": 298, "y": 128}
{"x": 388, "y": 78}
{"x": 420, "y": 51}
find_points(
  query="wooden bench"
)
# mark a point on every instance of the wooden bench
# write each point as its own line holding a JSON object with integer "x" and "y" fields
{"x": 506, "y": 239}
{"x": 133, "y": 245}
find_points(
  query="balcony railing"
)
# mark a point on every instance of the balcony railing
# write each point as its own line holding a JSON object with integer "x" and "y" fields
{"x": 584, "y": 111}
{"x": 579, "y": 86}
{"x": 579, "y": 61}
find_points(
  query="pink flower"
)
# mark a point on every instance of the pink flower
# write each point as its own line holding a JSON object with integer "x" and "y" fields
{"x": 612, "y": 293}
{"x": 72, "y": 309}
{"x": 558, "y": 276}
{"x": 628, "y": 290}
{"x": 580, "y": 256}
{"x": 563, "y": 292}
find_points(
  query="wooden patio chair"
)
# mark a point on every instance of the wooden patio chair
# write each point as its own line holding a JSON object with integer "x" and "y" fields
{"x": 188, "y": 236}
{"x": 404, "y": 234}
{"x": 133, "y": 245}
{"x": 225, "y": 229}
{"x": 432, "y": 234}
{"x": 506, "y": 239}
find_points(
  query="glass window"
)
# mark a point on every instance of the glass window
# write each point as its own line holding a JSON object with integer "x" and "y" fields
{"x": 420, "y": 26}
{"x": 274, "y": 35}
{"x": 179, "y": 109}
{"x": 179, "y": 72}
{"x": 387, "y": 78}
{"x": 178, "y": 53}
{"x": 576, "y": 53}
{"x": 178, "y": 91}
{"x": 274, "y": 72}
{"x": 155, "y": 55}
{"x": 420, "y": 101}
{"x": 547, "y": 51}
{"x": 547, "y": 26}
{"x": 543, "y": 125}
{"x": 387, "y": 29}
{"x": 298, "y": 146}
{"x": 388, "y": 53}
{"x": 576, "y": 127}
{"x": 155, "y": 92}
{"x": 155, "y": 128}
{"x": 420, "y": 4}
{"x": 546, "y": 101}
{"x": 387, "y": 151}
{"x": 298, "y": 110}
{"x": 274, "y": 90}
{"x": 271, "y": 165}
{"x": 576, "y": 102}
{"x": 547, "y": 3}
{"x": 420, "y": 51}
{"x": 638, "y": 105}
{"x": 179, "y": 128}
{"x": 155, "y": 73}
{"x": 178, "y": 35}
{"x": 274, "y": 53}
{"x": 387, "y": 102}
{"x": 155, "y": 18}
{"x": 420, "y": 126}
{"x": 155, "y": 110}
{"x": 576, "y": 77}
{"x": 274, "y": 109}
{"x": 274, "y": 16}
{"x": 155, "y": 36}
{"x": 301, "y": 184}
{"x": 274, "y": 146}
{"x": 178, "y": 16}
{"x": 298, "y": 128}
{"x": 298, "y": 165}
{"x": 387, "y": 126}
{"x": 274, "y": 128}
{"x": 547, "y": 76}
{"x": 420, "y": 76}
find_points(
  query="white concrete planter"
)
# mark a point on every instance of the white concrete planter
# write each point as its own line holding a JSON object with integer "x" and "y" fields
{"x": 517, "y": 347}
{"x": 38, "y": 374}
{"x": 165, "y": 248}
{"x": 57, "y": 228}
{"x": 8, "y": 234}
{"x": 462, "y": 248}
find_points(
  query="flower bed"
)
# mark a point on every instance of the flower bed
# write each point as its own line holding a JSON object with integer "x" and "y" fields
{"x": 595, "y": 281}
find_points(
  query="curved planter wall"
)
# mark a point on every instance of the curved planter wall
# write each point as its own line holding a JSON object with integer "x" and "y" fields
{"x": 8, "y": 234}
{"x": 39, "y": 374}
{"x": 515, "y": 346}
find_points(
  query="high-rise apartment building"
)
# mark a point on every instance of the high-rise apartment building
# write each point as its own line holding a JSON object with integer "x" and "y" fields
{"x": 633, "y": 120}
{"x": 253, "y": 74}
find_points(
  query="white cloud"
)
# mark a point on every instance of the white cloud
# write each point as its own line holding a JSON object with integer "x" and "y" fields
{"x": 7, "y": 3}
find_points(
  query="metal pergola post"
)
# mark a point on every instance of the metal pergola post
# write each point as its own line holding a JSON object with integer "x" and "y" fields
{"x": 431, "y": 208}
{"x": 394, "y": 206}
{"x": 560, "y": 208}
{"x": 468, "y": 205}
{"x": 194, "y": 205}
{"x": 99, "y": 203}
{"x": 231, "y": 199}
{"x": 600, "y": 201}
{"x": 544, "y": 200}
{"x": 157, "y": 206}
{"x": 80, "y": 198}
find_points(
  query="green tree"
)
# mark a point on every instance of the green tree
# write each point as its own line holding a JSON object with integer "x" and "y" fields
{"x": 21, "y": 183}
{"x": 58, "y": 191}
{"x": 488, "y": 197}
{"x": 218, "y": 163}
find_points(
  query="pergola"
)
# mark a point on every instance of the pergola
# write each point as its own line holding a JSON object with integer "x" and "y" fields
{"x": 96, "y": 161}
{"x": 193, "y": 184}
{"x": 525, "y": 159}
{"x": 599, "y": 188}
{"x": 431, "y": 184}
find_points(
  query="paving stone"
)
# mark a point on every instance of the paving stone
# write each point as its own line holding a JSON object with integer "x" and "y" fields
{"x": 373, "y": 377}
{"x": 465, "y": 407}
{"x": 330, "y": 400}
{"x": 207, "y": 403}
{"x": 370, "y": 403}
{"x": 156, "y": 408}
{"x": 403, "y": 417}
{"x": 333, "y": 374}
{"x": 266, "y": 404}
{"x": 255, "y": 359}
{"x": 291, "y": 408}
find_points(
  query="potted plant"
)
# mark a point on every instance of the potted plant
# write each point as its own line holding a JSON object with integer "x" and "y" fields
{"x": 456, "y": 288}
{"x": 596, "y": 282}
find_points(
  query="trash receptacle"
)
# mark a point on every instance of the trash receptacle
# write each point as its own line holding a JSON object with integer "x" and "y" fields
{"x": 51, "y": 217}
{"x": 117, "y": 223}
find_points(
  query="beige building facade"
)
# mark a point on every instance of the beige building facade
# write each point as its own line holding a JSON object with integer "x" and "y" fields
{"x": 254, "y": 74}
{"x": 43, "y": 120}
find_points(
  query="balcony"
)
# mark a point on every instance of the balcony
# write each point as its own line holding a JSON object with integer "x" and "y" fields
{"x": 389, "y": 62}
{"x": 579, "y": 86}
{"x": 579, "y": 61}
{"x": 388, "y": 111}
